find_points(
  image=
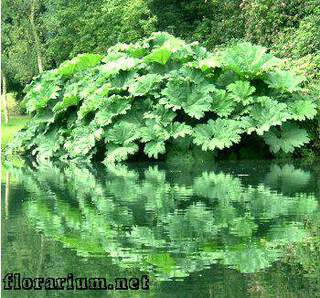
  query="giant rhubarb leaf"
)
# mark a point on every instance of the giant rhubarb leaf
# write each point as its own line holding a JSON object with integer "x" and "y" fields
{"x": 287, "y": 138}
{"x": 221, "y": 133}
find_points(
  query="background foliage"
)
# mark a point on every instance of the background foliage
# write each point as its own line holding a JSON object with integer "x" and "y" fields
{"x": 290, "y": 27}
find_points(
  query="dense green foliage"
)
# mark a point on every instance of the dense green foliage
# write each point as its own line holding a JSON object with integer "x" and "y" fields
{"x": 18, "y": 52}
{"x": 66, "y": 28}
{"x": 162, "y": 91}
{"x": 172, "y": 223}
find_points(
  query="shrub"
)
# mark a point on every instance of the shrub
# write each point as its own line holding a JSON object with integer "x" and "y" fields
{"x": 160, "y": 91}
{"x": 265, "y": 20}
{"x": 211, "y": 22}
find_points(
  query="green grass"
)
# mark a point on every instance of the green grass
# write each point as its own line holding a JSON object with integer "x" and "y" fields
{"x": 9, "y": 131}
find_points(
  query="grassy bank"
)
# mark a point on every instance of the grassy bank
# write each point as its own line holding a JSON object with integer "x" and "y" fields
{"x": 9, "y": 131}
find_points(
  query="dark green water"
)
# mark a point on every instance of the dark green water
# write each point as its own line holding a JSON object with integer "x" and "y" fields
{"x": 248, "y": 229}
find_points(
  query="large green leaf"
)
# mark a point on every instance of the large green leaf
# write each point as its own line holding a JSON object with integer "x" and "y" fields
{"x": 161, "y": 115}
{"x": 221, "y": 133}
{"x": 68, "y": 101}
{"x": 144, "y": 84}
{"x": 43, "y": 90}
{"x": 154, "y": 148}
{"x": 113, "y": 65}
{"x": 48, "y": 144}
{"x": 93, "y": 100}
{"x": 284, "y": 81}
{"x": 241, "y": 91}
{"x": 116, "y": 153}
{"x": 167, "y": 46}
{"x": 154, "y": 131}
{"x": 289, "y": 137}
{"x": 178, "y": 129}
{"x": 110, "y": 108}
{"x": 265, "y": 114}
{"x": 185, "y": 94}
{"x": 222, "y": 103}
{"x": 123, "y": 133}
{"x": 302, "y": 109}
{"x": 248, "y": 60}
{"x": 79, "y": 63}
{"x": 82, "y": 141}
{"x": 159, "y": 55}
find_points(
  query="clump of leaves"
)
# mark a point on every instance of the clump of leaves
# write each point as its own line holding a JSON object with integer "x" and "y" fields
{"x": 144, "y": 96}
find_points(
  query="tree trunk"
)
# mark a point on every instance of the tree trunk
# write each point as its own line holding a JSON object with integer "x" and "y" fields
{"x": 4, "y": 98}
{"x": 7, "y": 194}
{"x": 36, "y": 37}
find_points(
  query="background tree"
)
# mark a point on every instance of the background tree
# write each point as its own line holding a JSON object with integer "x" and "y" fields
{"x": 20, "y": 56}
{"x": 40, "y": 34}
{"x": 74, "y": 27}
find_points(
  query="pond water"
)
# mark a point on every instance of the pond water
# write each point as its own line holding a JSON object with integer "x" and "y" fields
{"x": 229, "y": 229}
